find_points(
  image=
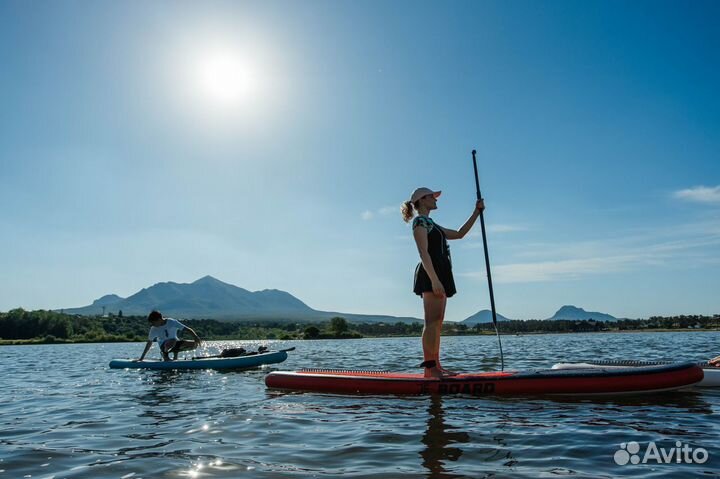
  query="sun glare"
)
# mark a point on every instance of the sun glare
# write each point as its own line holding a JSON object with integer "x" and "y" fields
{"x": 225, "y": 79}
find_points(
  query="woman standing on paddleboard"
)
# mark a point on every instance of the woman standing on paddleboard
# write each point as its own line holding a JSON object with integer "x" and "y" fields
{"x": 433, "y": 275}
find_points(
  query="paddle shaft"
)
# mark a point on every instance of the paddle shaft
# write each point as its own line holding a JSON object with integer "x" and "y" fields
{"x": 254, "y": 353}
{"x": 487, "y": 262}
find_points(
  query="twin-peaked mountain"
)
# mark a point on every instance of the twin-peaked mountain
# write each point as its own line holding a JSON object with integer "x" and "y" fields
{"x": 566, "y": 312}
{"x": 210, "y": 298}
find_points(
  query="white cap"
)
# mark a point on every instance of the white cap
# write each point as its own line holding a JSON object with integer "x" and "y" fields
{"x": 420, "y": 192}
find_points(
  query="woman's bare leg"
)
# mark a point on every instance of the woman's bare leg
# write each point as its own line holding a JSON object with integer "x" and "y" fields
{"x": 434, "y": 314}
{"x": 439, "y": 333}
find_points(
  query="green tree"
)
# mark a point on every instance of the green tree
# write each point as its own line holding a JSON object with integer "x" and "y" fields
{"x": 312, "y": 332}
{"x": 338, "y": 325}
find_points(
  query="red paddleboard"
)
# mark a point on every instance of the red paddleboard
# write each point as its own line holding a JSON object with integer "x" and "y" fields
{"x": 547, "y": 381}
{"x": 711, "y": 379}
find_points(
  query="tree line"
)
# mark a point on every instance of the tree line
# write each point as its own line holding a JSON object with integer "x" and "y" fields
{"x": 18, "y": 325}
{"x": 584, "y": 326}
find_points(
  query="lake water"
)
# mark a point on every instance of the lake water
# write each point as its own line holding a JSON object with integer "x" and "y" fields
{"x": 64, "y": 414}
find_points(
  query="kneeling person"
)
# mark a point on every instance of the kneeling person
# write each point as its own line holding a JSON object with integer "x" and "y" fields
{"x": 165, "y": 332}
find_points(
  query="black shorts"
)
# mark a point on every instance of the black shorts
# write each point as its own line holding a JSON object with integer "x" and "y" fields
{"x": 424, "y": 285}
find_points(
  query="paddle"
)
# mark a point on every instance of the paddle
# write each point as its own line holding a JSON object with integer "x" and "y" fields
{"x": 487, "y": 263}
{"x": 252, "y": 353}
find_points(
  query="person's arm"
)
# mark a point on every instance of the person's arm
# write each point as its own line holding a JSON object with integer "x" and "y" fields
{"x": 421, "y": 239}
{"x": 715, "y": 361}
{"x": 198, "y": 341}
{"x": 464, "y": 229}
{"x": 148, "y": 345}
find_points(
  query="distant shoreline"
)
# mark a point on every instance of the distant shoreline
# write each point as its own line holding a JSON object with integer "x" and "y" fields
{"x": 37, "y": 341}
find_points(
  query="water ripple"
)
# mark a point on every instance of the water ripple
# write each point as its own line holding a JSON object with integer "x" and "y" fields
{"x": 69, "y": 416}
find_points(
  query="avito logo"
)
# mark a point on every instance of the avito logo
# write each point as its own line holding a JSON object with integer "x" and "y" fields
{"x": 680, "y": 454}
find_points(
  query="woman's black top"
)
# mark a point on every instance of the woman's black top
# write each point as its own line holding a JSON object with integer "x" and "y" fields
{"x": 439, "y": 255}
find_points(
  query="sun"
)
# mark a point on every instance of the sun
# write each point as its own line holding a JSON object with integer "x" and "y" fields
{"x": 223, "y": 81}
{"x": 224, "y": 78}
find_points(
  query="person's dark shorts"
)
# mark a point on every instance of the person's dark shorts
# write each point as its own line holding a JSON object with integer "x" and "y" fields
{"x": 423, "y": 284}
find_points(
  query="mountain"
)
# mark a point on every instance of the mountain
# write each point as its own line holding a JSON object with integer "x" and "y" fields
{"x": 210, "y": 298}
{"x": 566, "y": 312}
{"x": 484, "y": 316}
{"x": 573, "y": 312}
{"x": 107, "y": 300}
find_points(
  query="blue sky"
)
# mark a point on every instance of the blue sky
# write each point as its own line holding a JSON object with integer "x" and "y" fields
{"x": 270, "y": 144}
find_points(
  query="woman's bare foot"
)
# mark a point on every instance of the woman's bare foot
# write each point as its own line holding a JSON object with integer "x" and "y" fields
{"x": 433, "y": 370}
{"x": 433, "y": 373}
{"x": 445, "y": 372}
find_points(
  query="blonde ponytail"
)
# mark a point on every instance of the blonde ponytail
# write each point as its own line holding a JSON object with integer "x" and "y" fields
{"x": 407, "y": 210}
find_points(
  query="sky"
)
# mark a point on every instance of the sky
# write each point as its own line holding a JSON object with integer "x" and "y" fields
{"x": 270, "y": 144}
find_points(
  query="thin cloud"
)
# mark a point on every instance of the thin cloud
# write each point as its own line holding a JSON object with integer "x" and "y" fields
{"x": 388, "y": 210}
{"x": 496, "y": 229}
{"x": 569, "y": 269}
{"x": 384, "y": 211}
{"x": 689, "y": 245}
{"x": 506, "y": 228}
{"x": 699, "y": 194}
{"x": 561, "y": 270}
